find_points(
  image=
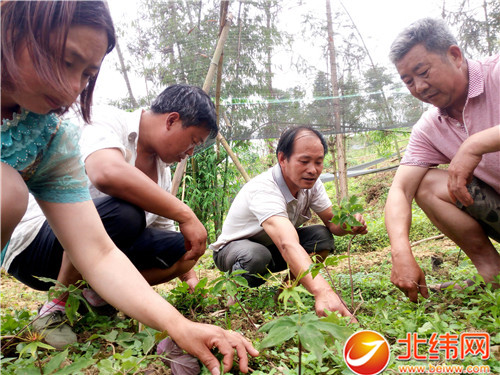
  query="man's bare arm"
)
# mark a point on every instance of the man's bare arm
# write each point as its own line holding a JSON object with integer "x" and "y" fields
{"x": 110, "y": 173}
{"x": 406, "y": 273}
{"x": 285, "y": 237}
{"x": 467, "y": 158}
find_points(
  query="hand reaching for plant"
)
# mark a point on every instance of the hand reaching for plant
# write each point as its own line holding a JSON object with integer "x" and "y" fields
{"x": 330, "y": 301}
{"x": 199, "y": 339}
{"x": 358, "y": 229}
{"x": 408, "y": 276}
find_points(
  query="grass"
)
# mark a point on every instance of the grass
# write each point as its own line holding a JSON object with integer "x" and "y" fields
{"x": 116, "y": 346}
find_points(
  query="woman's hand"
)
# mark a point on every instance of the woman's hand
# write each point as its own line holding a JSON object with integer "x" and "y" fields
{"x": 199, "y": 339}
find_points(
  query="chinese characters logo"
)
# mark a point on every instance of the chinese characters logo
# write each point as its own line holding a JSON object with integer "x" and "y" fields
{"x": 453, "y": 346}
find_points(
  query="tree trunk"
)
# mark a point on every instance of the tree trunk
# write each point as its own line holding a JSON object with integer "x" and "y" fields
{"x": 341, "y": 160}
{"x": 331, "y": 147}
{"x": 487, "y": 25}
{"x": 123, "y": 69}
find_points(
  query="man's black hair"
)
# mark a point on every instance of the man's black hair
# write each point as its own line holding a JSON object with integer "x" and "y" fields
{"x": 287, "y": 139}
{"x": 192, "y": 104}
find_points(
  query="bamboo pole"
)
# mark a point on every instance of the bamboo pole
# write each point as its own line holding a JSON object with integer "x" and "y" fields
{"x": 232, "y": 154}
{"x": 181, "y": 166}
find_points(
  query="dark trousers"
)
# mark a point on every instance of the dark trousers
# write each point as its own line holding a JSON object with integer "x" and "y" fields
{"x": 126, "y": 225}
{"x": 258, "y": 259}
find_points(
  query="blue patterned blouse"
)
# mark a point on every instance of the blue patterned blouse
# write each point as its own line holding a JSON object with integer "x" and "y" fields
{"x": 44, "y": 149}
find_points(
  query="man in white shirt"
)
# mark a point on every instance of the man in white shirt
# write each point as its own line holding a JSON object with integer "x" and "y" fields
{"x": 126, "y": 157}
{"x": 261, "y": 232}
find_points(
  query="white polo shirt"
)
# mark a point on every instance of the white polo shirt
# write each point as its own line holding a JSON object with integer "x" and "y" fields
{"x": 268, "y": 195}
{"x": 115, "y": 128}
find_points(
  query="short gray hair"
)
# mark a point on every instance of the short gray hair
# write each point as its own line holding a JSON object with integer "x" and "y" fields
{"x": 432, "y": 33}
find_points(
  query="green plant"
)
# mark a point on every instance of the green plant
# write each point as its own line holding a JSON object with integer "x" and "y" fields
{"x": 307, "y": 329}
{"x": 343, "y": 215}
{"x": 231, "y": 282}
{"x": 195, "y": 301}
{"x": 73, "y": 293}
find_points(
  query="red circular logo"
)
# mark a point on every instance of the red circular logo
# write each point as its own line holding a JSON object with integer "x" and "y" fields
{"x": 366, "y": 353}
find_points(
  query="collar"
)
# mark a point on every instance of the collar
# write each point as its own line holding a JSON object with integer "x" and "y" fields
{"x": 476, "y": 83}
{"x": 133, "y": 126}
{"x": 280, "y": 181}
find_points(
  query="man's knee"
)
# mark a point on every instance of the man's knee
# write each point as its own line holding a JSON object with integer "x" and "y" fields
{"x": 123, "y": 221}
{"x": 433, "y": 184}
{"x": 157, "y": 248}
{"x": 248, "y": 256}
{"x": 316, "y": 238}
{"x": 116, "y": 209}
{"x": 486, "y": 207}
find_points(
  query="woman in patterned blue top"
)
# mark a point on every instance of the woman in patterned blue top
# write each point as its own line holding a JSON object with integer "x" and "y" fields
{"x": 51, "y": 55}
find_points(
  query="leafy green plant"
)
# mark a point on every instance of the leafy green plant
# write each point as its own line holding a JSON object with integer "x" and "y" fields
{"x": 343, "y": 215}
{"x": 192, "y": 301}
{"x": 307, "y": 329}
{"x": 231, "y": 282}
{"x": 73, "y": 293}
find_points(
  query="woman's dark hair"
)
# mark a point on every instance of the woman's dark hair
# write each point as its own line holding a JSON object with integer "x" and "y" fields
{"x": 34, "y": 24}
{"x": 287, "y": 139}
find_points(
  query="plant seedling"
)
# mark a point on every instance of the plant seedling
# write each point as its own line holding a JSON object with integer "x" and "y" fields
{"x": 343, "y": 215}
{"x": 231, "y": 281}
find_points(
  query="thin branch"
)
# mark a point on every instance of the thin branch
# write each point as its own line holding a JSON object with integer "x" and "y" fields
{"x": 427, "y": 239}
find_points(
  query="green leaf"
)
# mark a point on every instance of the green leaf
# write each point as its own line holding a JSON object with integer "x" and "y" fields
{"x": 351, "y": 220}
{"x": 147, "y": 344}
{"x": 283, "y": 321}
{"x": 340, "y": 333}
{"x": 161, "y": 335}
{"x": 294, "y": 294}
{"x": 240, "y": 281}
{"x": 218, "y": 287}
{"x": 425, "y": 328}
{"x": 124, "y": 355}
{"x": 28, "y": 371}
{"x": 314, "y": 269}
{"x": 32, "y": 348}
{"x": 201, "y": 284}
{"x": 231, "y": 289}
{"x": 333, "y": 260}
{"x": 110, "y": 336}
{"x": 55, "y": 362}
{"x": 75, "y": 367}
{"x": 282, "y": 331}
{"x": 312, "y": 339}
{"x": 332, "y": 317}
{"x": 72, "y": 304}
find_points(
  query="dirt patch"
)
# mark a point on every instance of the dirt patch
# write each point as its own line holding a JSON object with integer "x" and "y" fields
{"x": 18, "y": 296}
